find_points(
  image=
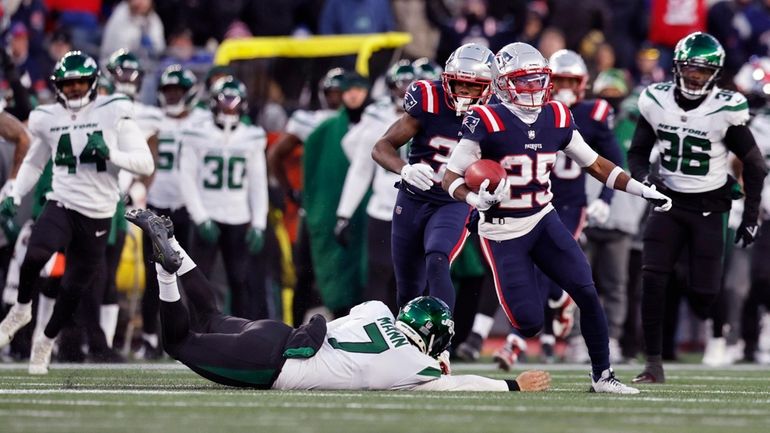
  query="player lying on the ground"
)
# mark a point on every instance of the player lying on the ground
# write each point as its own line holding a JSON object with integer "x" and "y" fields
{"x": 367, "y": 349}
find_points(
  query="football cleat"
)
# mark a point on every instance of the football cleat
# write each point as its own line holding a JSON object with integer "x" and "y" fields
{"x": 40, "y": 356}
{"x": 564, "y": 315}
{"x": 18, "y": 316}
{"x": 547, "y": 342}
{"x": 607, "y": 383}
{"x": 508, "y": 355}
{"x": 715, "y": 354}
{"x": 157, "y": 230}
{"x": 470, "y": 349}
{"x": 651, "y": 374}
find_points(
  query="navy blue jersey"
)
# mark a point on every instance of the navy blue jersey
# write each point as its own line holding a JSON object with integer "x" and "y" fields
{"x": 594, "y": 121}
{"x": 438, "y": 135}
{"x": 527, "y": 152}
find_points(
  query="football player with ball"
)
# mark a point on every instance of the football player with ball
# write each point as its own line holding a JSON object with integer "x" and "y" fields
{"x": 519, "y": 226}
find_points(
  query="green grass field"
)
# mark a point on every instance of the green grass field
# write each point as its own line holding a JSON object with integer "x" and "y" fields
{"x": 169, "y": 398}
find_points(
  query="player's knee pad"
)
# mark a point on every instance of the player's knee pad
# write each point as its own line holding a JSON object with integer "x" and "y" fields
{"x": 436, "y": 262}
{"x": 528, "y": 319}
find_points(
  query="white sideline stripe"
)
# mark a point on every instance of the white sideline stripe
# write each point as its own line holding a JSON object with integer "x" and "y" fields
{"x": 535, "y": 407}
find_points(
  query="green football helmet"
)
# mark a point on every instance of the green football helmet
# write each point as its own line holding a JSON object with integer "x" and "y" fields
{"x": 427, "y": 69}
{"x": 332, "y": 82}
{"x": 75, "y": 65}
{"x": 126, "y": 72}
{"x": 228, "y": 101}
{"x": 698, "y": 60}
{"x": 427, "y": 323}
{"x": 177, "y": 77}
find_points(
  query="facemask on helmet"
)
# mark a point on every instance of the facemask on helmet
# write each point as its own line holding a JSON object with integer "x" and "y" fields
{"x": 522, "y": 76}
{"x": 569, "y": 76}
{"x": 698, "y": 61}
{"x": 398, "y": 78}
{"x": 330, "y": 89}
{"x": 228, "y": 102}
{"x": 177, "y": 90}
{"x": 467, "y": 77}
{"x": 427, "y": 323}
{"x": 75, "y": 66}
{"x": 125, "y": 72}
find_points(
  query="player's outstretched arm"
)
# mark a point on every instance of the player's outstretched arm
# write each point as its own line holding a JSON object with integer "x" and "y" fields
{"x": 13, "y": 131}
{"x": 612, "y": 175}
{"x": 385, "y": 149}
{"x": 528, "y": 381}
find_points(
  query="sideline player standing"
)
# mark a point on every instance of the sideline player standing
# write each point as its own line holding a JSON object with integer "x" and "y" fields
{"x": 428, "y": 225}
{"x": 690, "y": 125}
{"x": 518, "y": 226}
{"x": 90, "y": 138}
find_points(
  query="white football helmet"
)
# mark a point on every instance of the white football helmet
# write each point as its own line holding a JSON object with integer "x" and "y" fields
{"x": 471, "y": 63}
{"x": 569, "y": 75}
{"x": 522, "y": 76}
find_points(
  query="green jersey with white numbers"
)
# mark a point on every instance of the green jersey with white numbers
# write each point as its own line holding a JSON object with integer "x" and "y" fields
{"x": 690, "y": 144}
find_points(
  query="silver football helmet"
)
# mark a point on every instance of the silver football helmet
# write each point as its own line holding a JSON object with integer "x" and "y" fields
{"x": 522, "y": 76}
{"x": 472, "y": 64}
{"x": 753, "y": 80}
{"x": 569, "y": 75}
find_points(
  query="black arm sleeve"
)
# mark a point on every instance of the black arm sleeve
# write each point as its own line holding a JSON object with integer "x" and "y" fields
{"x": 639, "y": 152}
{"x": 512, "y": 385}
{"x": 740, "y": 141}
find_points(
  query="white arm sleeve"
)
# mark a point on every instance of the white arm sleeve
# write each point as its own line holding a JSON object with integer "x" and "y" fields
{"x": 464, "y": 154}
{"x": 580, "y": 151}
{"x": 31, "y": 168}
{"x": 133, "y": 153}
{"x": 188, "y": 183}
{"x": 361, "y": 171}
{"x": 257, "y": 172}
{"x": 465, "y": 382}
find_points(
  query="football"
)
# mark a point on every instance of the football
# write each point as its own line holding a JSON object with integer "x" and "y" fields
{"x": 484, "y": 169}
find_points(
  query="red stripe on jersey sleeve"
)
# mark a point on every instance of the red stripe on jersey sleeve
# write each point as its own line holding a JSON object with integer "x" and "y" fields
{"x": 600, "y": 110}
{"x": 484, "y": 117}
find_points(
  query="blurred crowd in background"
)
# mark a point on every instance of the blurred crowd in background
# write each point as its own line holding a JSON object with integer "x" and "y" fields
{"x": 626, "y": 44}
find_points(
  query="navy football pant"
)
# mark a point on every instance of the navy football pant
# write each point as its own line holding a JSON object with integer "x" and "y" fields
{"x": 426, "y": 238}
{"x": 551, "y": 247}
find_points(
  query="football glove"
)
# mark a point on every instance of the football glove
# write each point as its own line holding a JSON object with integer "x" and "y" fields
{"x": 209, "y": 231}
{"x": 598, "y": 211}
{"x": 255, "y": 239}
{"x": 9, "y": 228}
{"x": 100, "y": 147}
{"x": 419, "y": 175}
{"x": 8, "y": 207}
{"x": 443, "y": 362}
{"x": 485, "y": 199}
{"x": 661, "y": 201}
{"x": 342, "y": 231}
{"x": 746, "y": 234}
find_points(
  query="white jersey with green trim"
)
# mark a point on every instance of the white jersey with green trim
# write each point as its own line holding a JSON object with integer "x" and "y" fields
{"x": 303, "y": 122}
{"x": 222, "y": 174}
{"x": 164, "y": 192}
{"x": 149, "y": 118}
{"x": 82, "y": 180}
{"x": 760, "y": 128}
{"x": 362, "y": 350}
{"x": 693, "y": 156}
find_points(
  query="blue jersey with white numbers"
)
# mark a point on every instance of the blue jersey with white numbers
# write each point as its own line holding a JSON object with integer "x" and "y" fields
{"x": 527, "y": 152}
{"x": 436, "y": 138}
{"x": 594, "y": 121}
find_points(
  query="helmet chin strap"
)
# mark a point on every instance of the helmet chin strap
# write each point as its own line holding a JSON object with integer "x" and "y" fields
{"x": 128, "y": 89}
{"x": 76, "y": 104}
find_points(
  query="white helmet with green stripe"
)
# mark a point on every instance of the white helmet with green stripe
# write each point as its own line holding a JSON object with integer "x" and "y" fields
{"x": 75, "y": 66}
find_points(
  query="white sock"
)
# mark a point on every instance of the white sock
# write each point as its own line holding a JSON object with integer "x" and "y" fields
{"x": 482, "y": 325}
{"x": 44, "y": 313}
{"x": 187, "y": 263}
{"x": 151, "y": 338}
{"x": 168, "y": 290}
{"x": 108, "y": 321}
{"x": 24, "y": 307}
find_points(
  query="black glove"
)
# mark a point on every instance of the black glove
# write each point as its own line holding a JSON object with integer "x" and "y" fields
{"x": 473, "y": 221}
{"x": 746, "y": 233}
{"x": 342, "y": 231}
